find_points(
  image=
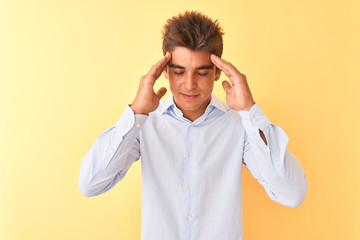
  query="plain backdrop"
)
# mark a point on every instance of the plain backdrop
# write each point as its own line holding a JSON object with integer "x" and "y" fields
{"x": 68, "y": 69}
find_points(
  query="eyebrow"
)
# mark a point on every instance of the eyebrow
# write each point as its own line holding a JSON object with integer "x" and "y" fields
{"x": 198, "y": 68}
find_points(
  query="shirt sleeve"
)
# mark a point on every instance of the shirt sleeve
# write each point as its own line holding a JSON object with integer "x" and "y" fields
{"x": 111, "y": 155}
{"x": 273, "y": 165}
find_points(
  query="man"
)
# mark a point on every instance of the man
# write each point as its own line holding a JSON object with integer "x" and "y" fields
{"x": 193, "y": 145}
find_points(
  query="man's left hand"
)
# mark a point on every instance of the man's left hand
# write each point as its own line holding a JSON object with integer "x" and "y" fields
{"x": 238, "y": 95}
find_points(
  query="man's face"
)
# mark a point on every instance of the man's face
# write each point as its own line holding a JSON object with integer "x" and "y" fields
{"x": 191, "y": 78}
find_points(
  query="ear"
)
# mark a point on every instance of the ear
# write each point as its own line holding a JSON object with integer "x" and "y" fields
{"x": 165, "y": 73}
{"x": 217, "y": 73}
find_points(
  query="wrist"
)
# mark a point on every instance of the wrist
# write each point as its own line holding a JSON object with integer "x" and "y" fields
{"x": 138, "y": 110}
{"x": 246, "y": 108}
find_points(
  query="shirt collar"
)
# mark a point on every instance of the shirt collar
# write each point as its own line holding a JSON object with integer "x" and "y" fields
{"x": 216, "y": 103}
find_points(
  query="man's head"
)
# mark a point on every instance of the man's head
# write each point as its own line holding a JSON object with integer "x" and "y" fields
{"x": 194, "y": 31}
{"x": 191, "y": 38}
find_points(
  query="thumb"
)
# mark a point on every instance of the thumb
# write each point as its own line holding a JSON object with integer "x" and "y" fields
{"x": 161, "y": 92}
{"x": 227, "y": 87}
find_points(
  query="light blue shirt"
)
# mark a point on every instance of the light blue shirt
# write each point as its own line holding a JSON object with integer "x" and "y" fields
{"x": 191, "y": 171}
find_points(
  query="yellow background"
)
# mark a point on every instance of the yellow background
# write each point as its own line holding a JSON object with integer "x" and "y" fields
{"x": 68, "y": 68}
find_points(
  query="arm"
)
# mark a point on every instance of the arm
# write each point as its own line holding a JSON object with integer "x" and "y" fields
{"x": 273, "y": 165}
{"x": 116, "y": 149}
{"x": 265, "y": 153}
{"x": 111, "y": 155}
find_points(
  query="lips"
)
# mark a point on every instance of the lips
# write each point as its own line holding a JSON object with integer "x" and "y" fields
{"x": 189, "y": 97}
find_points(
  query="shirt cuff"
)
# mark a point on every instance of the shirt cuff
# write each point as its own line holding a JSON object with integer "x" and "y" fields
{"x": 254, "y": 119}
{"x": 129, "y": 120}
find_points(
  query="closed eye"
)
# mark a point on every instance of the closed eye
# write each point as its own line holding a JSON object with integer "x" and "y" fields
{"x": 178, "y": 73}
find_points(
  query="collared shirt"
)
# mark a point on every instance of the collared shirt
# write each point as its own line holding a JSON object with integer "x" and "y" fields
{"x": 191, "y": 171}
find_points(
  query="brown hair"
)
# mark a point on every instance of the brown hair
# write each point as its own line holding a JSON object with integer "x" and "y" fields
{"x": 193, "y": 30}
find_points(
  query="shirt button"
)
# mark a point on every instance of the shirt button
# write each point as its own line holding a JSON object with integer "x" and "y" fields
{"x": 111, "y": 150}
{"x": 254, "y": 120}
{"x": 245, "y": 122}
{"x": 129, "y": 123}
{"x": 189, "y": 185}
{"x": 138, "y": 125}
{"x": 190, "y": 154}
{"x": 189, "y": 216}
{"x": 269, "y": 149}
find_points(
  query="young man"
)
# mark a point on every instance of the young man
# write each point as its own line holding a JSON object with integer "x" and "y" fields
{"x": 193, "y": 145}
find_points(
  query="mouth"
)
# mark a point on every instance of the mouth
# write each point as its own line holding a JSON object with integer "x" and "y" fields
{"x": 189, "y": 97}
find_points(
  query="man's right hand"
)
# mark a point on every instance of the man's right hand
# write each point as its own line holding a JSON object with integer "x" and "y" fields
{"x": 146, "y": 99}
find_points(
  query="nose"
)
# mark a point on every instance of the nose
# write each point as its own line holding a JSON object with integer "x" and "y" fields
{"x": 190, "y": 82}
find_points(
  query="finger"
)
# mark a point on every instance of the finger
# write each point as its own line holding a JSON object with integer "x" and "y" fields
{"x": 161, "y": 92}
{"x": 230, "y": 70}
{"x": 225, "y": 66}
{"x": 220, "y": 65}
{"x": 156, "y": 71}
{"x": 227, "y": 87}
{"x": 159, "y": 67}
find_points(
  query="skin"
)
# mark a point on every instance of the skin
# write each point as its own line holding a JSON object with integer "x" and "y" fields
{"x": 191, "y": 76}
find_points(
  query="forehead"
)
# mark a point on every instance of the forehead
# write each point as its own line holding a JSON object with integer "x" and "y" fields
{"x": 187, "y": 58}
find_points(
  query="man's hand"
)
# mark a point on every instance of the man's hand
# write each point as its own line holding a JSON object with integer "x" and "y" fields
{"x": 146, "y": 99}
{"x": 238, "y": 95}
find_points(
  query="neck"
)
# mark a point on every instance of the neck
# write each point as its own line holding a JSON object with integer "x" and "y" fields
{"x": 192, "y": 115}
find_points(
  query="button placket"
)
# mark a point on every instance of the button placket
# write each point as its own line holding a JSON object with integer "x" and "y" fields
{"x": 188, "y": 167}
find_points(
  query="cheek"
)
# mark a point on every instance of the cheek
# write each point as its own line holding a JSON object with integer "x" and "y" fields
{"x": 175, "y": 79}
{"x": 173, "y": 84}
{"x": 207, "y": 84}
